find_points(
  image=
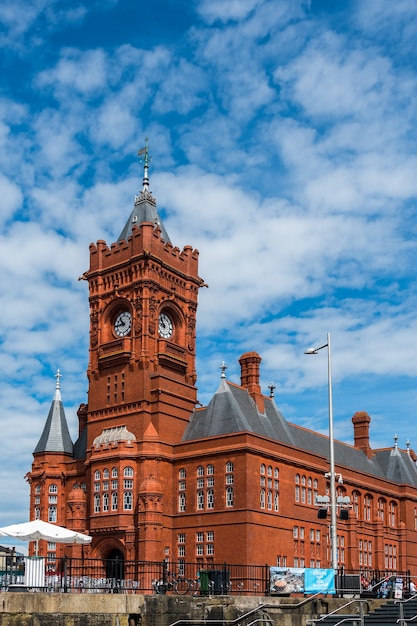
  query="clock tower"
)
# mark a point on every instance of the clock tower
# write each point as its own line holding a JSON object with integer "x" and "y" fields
{"x": 143, "y": 301}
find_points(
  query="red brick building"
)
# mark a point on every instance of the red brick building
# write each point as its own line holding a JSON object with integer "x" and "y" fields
{"x": 152, "y": 477}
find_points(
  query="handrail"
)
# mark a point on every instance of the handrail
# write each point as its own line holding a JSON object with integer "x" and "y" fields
{"x": 360, "y": 601}
{"x": 238, "y": 619}
{"x": 219, "y": 621}
{"x": 294, "y": 605}
{"x": 404, "y": 601}
{"x": 401, "y": 602}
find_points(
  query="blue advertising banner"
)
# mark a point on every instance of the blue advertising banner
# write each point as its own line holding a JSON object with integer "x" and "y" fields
{"x": 319, "y": 580}
{"x": 286, "y": 580}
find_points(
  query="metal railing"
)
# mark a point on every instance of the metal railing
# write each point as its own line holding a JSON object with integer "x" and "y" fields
{"x": 85, "y": 575}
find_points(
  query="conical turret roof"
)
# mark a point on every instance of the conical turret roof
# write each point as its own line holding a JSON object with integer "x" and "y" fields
{"x": 55, "y": 436}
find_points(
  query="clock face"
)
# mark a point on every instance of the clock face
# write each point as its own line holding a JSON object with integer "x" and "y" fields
{"x": 165, "y": 326}
{"x": 123, "y": 324}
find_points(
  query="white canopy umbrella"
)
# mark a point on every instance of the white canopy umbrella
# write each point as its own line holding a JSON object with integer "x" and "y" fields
{"x": 35, "y": 530}
{"x": 38, "y": 529}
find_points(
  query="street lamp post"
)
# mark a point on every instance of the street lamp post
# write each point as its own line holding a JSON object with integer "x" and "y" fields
{"x": 333, "y": 503}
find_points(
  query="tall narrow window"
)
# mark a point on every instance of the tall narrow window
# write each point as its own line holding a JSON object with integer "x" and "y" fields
{"x": 181, "y": 502}
{"x": 97, "y": 503}
{"x": 200, "y": 500}
{"x": 114, "y": 501}
{"x": 127, "y": 501}
{"x": 52, "y": 514}
{"x": 210, "y": 498}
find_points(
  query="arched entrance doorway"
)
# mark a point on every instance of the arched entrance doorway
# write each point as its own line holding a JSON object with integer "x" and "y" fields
{"x": 115, "y": 565}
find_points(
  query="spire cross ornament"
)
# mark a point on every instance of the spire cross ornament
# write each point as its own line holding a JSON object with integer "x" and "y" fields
{"x": 223, "y": 369}
{"x": 58, "y": 377}
{"x": 395, "y": 440}
{"x": 271, "y": 388}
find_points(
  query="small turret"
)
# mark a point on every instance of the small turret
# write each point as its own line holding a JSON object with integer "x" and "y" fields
{"x": 55, "y": 436}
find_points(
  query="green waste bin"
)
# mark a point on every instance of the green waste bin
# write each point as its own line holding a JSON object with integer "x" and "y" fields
{"x": 203, "y": 576}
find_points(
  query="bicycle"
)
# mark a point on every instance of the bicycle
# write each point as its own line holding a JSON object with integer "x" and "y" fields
{"x": 179, "y": 585}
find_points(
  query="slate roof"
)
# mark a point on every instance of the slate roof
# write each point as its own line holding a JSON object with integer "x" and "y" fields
{"x": 232, "y": 410}
{"x": 144, "y": 210}
{"x": 80, "y": 446}
{"x": 397, "y": 466}
{"x": 55, "y": 436}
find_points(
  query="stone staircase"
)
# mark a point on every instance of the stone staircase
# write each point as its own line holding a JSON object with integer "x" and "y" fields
{"x": 387, "y": 614}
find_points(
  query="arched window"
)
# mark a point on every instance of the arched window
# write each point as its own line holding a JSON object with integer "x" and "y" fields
{"x": 276, "y": 501}
{"x": 97, "y": 503}
{"x": 106, "y": 473}
{"x": 37, "y": 489}
{"x": 128, "y": 471}
{"x": 200, "y": 499}
{"x": 229, "y": 466}
{"x": 200, "y": 470}
{"x": 262, "y": 499}
{"x": 105, "y": 501}
{"x": 127, "y": 501}
{"x": 182, "y": 473}
{"x": 210, "y": 470}
{"x": 230, "y": 497}
{"x": 297, "y": 487}
{"x": 114, "y": 472}
{"x": 37, "y": 512}
{"x": 97, "y": 475}
{"x": 114, "y": 504}
{"x": 381, "y": 509}
{"x": 367, "y": 508}
{"x": 269, "y": 501}
{"x": 52, "y": 514}
{"x": 210, "y": 498}
{"x": 53, "y": 489}
{"x": 181, "y": 502}
{"x": 269, "y": 470}
{"x": 355, "y": 503}
{"x": 262, "y": 469}
{"x": 276, "y": 473}
{"x": 392, "y": 514}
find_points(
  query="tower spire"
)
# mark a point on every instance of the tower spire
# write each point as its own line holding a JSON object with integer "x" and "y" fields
{"x": 145, "y": 158}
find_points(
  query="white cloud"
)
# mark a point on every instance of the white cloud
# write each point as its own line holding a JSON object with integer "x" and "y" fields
{"x": 212, "y": 10}
{"x": 11, "y": 198}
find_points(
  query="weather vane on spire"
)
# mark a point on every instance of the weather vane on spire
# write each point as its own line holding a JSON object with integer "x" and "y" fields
{"x": 144, "y": 158}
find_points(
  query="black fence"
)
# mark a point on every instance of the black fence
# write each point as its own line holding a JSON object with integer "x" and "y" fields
{"x": 146, "y": 577}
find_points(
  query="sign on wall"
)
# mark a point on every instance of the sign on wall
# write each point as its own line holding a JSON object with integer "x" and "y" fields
{"x": 286, "y": 580}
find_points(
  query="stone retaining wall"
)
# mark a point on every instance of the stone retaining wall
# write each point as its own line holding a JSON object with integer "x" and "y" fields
{"x": 59, "y": 609}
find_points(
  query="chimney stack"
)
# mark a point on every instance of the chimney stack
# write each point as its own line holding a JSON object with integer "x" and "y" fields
{"x": 249, "y": 377}
{"x": 361, "y": 421}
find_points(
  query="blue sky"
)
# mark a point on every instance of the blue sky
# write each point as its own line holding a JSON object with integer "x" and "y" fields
{"x": 283, "y": 137}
